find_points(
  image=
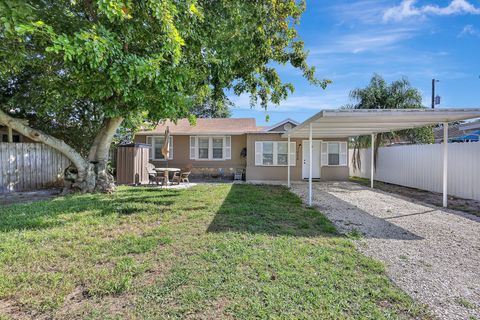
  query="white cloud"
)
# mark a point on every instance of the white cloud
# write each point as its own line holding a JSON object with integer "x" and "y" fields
{"x": 455, "y": 7}
{"x": 407, "y": 9}
{"x": 369, "y": 40}
{"x": 469, "y": 30}
{"x": 325, "y": 99}
{"x": 361, "y": 11}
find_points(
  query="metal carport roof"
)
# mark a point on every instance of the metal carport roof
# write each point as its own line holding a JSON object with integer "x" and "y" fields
{"x": 355, "y": 122}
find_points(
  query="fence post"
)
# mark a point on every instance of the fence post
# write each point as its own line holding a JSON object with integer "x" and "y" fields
{"x": 445, "y": 164}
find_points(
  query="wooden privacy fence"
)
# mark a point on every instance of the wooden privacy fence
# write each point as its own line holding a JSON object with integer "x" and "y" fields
{"x": 30, "y": 166}
{"x": 421, "y": 167}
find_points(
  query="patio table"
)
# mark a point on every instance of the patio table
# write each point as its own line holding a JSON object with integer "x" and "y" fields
{"x": 166, "y": 171}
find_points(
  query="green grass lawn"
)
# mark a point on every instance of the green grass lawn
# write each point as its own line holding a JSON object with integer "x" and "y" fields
{"x": 211, "y": 252}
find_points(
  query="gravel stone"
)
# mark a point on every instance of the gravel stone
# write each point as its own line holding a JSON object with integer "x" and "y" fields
{"x": 432, "y": 253}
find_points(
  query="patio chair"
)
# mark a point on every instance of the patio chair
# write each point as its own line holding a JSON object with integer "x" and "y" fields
{"x": 182, "y": 176}
{"x": 154, "y": 176}
{"x": 176, "y": 177}
{"x": 160, "y": 179}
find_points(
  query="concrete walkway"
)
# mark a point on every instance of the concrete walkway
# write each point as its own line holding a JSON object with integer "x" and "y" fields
{"x": 431, "y": 253}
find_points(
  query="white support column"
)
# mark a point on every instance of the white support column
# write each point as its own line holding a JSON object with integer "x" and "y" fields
{"x": 288, "y": 162}
{"x": 310, "y": 158}
{"x": 445, "y": 164}
{"x": 372, "y": 164}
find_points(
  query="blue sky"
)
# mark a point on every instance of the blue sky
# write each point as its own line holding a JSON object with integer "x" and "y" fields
{"x": 350, "y": 40}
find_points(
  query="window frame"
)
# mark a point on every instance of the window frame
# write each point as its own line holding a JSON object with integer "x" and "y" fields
{"x": 208, "y": 148}
{"x": 226, "y": 148}
{"x": 345, "y": 143}
{"x": 151, "y": 155}
{"x": 275, "y": 154}
{"x": 332, "y": 153}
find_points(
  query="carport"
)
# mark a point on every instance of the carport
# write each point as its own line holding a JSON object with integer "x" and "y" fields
{"x": 343, "y": 123}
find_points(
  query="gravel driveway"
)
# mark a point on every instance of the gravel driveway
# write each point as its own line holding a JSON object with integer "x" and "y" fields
{"x": 431, "y": 253}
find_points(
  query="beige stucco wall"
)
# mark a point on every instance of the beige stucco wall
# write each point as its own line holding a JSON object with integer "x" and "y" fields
{"x": 270, "y": 172}
{"x": 280, "y": 173}
{"x": 181, "y": 157}
{"x": 181, "y": 154}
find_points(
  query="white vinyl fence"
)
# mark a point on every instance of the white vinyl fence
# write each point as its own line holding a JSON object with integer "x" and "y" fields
{"x": 30, "y": 166}
{"x": 421, "y": 167}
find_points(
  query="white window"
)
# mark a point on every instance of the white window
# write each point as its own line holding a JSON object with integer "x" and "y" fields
{"x": 282, "y": 153}
{"x": 267, "y": 153}
{"x": 334, "y": 153}
{"x": 156, "y": 145}
{"x": 210, "y": 148}
{"x": 203, "y": 148}
{"x": 274, "y": 153}
{"x": 217, "y": 148}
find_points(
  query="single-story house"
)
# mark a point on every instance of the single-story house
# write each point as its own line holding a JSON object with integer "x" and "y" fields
{"x": 287, "y": 151}
{"x": 224, "y": 145}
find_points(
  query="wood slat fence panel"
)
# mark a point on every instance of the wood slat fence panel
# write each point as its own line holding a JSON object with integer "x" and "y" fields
{"x": 421, "y": 167}
{"x": 30, "y": 166}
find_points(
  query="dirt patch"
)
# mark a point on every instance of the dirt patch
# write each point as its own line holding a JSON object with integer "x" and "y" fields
{"x": 28, "y": 197}
{"x": 11, "y": 310}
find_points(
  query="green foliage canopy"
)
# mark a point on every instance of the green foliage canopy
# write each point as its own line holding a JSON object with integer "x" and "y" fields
{"x": 149, "y": 59}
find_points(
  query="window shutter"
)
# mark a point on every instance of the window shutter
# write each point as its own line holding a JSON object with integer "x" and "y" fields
{"x": 258, "y": 153}
{"x": 324, "y": 153}
{"x": 170, "y": 146}
{"x": 227, "y": 148}
{"x": 150, "y": 148}
{"x": 293, "y": 155}
{"x": 343, "y": 154}
{"x": 193, "y": 147}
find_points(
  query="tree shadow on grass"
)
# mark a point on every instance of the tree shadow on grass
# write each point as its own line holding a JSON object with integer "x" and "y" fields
{"x": 46, "y": 214}
{"x": 274, "y": 210}
{"x": 271, "y": 210}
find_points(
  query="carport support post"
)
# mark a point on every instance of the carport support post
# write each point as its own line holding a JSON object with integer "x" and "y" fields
{"x": 288, "y": 162}
{"x": 445, "y": 163}
{"x": 372, "y": 161}
{"x": 310, "y": 158}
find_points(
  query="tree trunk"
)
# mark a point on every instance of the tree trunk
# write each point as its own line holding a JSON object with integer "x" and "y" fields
{"x": 99, "y": 154}
{"x": 84, "y": 175}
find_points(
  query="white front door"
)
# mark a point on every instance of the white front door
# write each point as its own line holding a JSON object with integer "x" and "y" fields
{"x": 315, "y": 159}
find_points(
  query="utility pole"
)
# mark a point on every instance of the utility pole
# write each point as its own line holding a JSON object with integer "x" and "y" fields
{"x": 433, "y": 92}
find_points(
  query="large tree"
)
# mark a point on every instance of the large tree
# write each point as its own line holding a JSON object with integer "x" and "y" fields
{"x": 382, "y": 95}
{"x": 120, "y": 62}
